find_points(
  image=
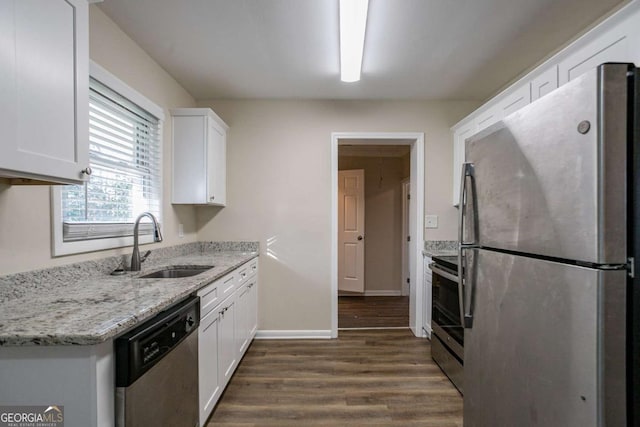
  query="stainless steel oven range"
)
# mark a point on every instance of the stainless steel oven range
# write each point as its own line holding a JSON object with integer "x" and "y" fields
{"x": 448, "y": 333}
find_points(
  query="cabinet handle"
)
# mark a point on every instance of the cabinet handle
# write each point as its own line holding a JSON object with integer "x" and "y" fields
{"x": 87, "y": 171}
{"x": 212, "y": 197}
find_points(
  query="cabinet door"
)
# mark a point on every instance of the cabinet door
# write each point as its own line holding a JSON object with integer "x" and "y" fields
{"x": 44, "y": 103}
{"x": 189, "y": 159}
{"x": 487, "y": 118}
{"x": 208, "y": 377}
{"x": 515, "y": 101}
{"x": 217, "y": 170}
{"x": 459, "y": 136}
{"x": 252, "y": 324}
{"x": 544, "y": 83}
{"x": 242, "y": 320}
{"x": 227, "y": 340}
{"x": 612, "y": 46}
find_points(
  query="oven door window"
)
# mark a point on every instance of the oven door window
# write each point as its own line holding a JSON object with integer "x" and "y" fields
{"x": 446, "y": 307}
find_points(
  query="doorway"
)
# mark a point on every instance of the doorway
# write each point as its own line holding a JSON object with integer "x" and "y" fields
{"x": 414, "y": 142}
{"x": 370, "y": 236}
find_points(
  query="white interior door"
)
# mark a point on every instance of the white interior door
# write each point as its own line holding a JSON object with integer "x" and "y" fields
{"x": 351, "y": 230}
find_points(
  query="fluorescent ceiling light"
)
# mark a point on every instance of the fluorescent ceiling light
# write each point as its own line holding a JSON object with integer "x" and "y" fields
{"x": 353, "y": 23}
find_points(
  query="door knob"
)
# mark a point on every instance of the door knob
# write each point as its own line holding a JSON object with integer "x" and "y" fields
{"x": 360, "y": 237}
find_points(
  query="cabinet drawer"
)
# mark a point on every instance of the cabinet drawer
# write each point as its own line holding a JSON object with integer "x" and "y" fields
{"x": 243, "y": 274}
{"x": 228, "y": 284}
{"x": 209, "y": 298}
{"x": 247, "y": 271}
{"x": 253, "y": 267}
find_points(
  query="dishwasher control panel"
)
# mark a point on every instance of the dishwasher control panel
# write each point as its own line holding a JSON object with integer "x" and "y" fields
{"x": 140, "y": 349}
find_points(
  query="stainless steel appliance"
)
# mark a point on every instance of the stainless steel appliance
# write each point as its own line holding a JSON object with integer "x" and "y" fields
{"x": 448, "y": 335}
{"x": 548, "y": 209}
{"x": 157, "y": 370}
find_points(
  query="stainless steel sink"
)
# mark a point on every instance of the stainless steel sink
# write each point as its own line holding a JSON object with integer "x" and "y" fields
{"x": 177, "y": 272}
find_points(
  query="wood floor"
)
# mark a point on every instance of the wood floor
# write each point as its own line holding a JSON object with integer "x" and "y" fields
{"x": 364, "y": 378}
{"x": 373, "y": 312}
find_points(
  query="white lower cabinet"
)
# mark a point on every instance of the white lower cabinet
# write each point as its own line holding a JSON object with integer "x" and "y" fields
{"x": 242, "y": 319}
{"x": 227, "y": 339}
{"x": 209, "y": 386}
{"x": 247, "y": 314}
{"x": 227, "y": 326}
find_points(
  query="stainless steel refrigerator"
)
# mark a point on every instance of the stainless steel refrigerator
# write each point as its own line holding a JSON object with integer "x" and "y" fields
{"x": 548, "y": 208}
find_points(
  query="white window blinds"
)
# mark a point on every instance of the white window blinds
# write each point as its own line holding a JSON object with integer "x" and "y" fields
{"x": 124, "y": 155}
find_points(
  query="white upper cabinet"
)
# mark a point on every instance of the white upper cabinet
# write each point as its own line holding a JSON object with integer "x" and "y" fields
{"x": 487, "y": 118}
{"x": 459, "y": 136}
{"x": 612, "y": 46}
{"x": 515, "y": 100}
{"x": 546, "y": 82}
{"x": 617, "y": 39}
{"x": 44, "y": 99}
{"x": 199, "y": 157}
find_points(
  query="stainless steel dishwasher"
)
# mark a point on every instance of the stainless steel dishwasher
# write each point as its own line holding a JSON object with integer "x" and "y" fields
{"x": 157, "y": 370}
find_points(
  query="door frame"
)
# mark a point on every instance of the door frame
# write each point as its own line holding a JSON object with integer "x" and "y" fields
{"x": 416, "y": 217}
{"x": 406, "y": 191}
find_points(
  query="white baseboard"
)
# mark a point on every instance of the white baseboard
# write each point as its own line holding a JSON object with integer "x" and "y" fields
{"x": 382, "y": 293}
{"x": 293, "y": 334}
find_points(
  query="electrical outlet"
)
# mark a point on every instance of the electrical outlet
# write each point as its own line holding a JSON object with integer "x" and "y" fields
{"x": 180, "y": 230}
{"x": 431, "y": 221}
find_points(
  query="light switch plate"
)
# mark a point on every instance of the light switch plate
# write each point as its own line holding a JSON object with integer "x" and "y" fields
{"x": 431, "y": 221}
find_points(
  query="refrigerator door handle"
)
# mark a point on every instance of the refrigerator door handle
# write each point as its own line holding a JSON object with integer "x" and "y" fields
{"x": 467, "y": 172}
{"x": 468, "y": 301}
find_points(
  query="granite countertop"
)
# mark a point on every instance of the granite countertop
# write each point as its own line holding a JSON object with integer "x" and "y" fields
{"x": 440, "y": 248}
{"x": 432, "y": 253}
{"x": 98, "y": 307}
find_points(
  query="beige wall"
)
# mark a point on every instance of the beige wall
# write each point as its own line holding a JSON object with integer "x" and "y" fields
{"x": 25, "y": 229}
{"x": 382, "y": 221}
{"x": 279, "y": 191}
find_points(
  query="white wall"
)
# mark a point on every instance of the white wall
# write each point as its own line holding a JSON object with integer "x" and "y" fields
{"x": 279, "y": 190}
{"x": 25, "y": 228}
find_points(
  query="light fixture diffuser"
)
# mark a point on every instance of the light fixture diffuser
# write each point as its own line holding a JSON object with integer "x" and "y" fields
{"x": 353, "y": 23}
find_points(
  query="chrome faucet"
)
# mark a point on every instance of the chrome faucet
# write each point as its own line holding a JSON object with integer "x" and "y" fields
{"x": 157, "y": 237}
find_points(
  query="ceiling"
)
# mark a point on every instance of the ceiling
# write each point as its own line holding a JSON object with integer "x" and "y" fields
{"x": 414, "y": 49}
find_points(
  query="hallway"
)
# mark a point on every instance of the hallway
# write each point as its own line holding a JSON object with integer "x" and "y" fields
{"x": 373, "y": 312}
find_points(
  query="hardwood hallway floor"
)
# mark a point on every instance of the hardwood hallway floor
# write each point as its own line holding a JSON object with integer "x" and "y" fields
{"x": 364, "y": 378}
{"x": 373, "y": 312}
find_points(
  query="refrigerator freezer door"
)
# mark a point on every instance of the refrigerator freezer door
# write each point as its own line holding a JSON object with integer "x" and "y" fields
{"x": 550, "y": 179}
{"x": 547, "y": 345}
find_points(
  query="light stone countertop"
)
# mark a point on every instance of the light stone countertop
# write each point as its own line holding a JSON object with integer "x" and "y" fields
{"x": 440, "y": 247}
{"x": 99, "y": 307}
{"x": 432, "y": 253}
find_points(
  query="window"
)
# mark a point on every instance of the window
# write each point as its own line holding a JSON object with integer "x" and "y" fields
{"x": 125, "y": 159}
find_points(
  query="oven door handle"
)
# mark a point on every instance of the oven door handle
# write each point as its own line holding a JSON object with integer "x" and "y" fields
{"x": 441, "y": 272}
